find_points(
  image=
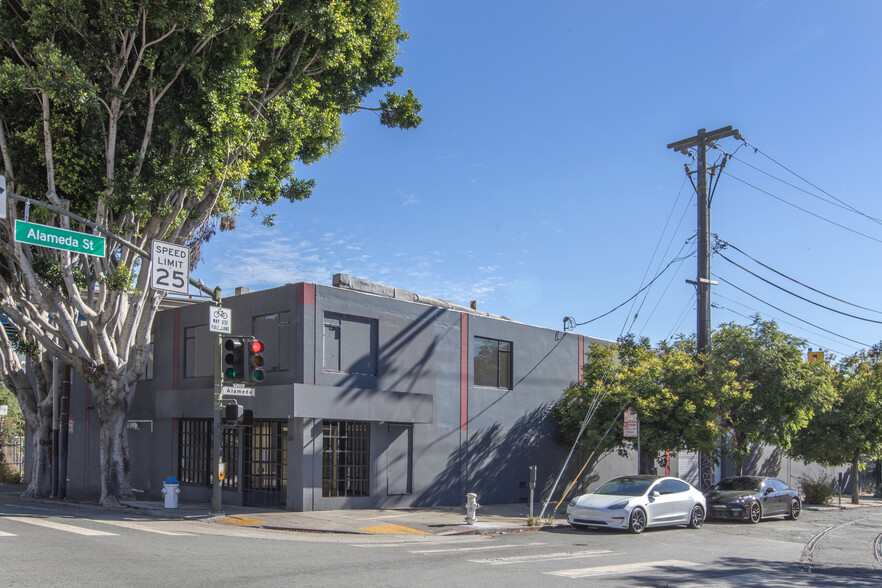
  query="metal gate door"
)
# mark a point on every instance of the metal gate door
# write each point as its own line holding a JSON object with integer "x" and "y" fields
{"x": 265, "y": 464}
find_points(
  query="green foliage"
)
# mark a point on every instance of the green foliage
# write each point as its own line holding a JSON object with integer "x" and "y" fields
{"x": 663, "y": 386}
{"x": 817, "y": 489}
{"x": 121, "y": 279}
{"x": 852, "y": 425}
{"x": 13, "y": 422}
{"x": 765, "y": 390}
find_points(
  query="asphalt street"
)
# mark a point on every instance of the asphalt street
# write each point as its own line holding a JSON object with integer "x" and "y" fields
{"x": 46, "y": 542}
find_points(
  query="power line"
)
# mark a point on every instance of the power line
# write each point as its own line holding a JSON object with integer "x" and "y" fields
{"x": 789, "y": 314}
{"x": 636, "y": 294}
{"x": 802, "y": 327}
{"x": 776, "y": 162}
{"x": 769, "y": 282}
{"x": 837, "y": 203}
{"x": 802, "y": 209}
{"x": 726, "y": 244}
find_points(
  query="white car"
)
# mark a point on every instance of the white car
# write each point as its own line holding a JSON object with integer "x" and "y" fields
{"x": 638, "y": 502}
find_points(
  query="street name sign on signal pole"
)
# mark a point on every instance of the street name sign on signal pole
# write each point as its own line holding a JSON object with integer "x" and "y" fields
{"x": 170, "y": 270}
{"x": 55, "y": 238}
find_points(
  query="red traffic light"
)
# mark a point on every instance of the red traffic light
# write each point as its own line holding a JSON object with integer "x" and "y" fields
{"x": 257, "y": 346}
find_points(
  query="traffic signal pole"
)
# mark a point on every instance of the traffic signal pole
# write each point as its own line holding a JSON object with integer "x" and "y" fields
{"x": 217, "y": 432}
{"x": 703, "y": 280}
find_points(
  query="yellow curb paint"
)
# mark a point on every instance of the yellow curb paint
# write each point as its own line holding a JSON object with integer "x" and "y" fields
{"x": 394, "y": 529}
{"x": 240, "y": 521}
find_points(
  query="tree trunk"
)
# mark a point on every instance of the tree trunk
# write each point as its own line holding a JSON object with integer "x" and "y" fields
{"x": 114, "y": 440}
{"x": 855, "y": 479}
{"x": 40, "y": 474}
{"x": 739, "y": 441}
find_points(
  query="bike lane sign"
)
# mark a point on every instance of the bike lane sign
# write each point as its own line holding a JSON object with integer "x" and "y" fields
{"x": 220, "y": 320}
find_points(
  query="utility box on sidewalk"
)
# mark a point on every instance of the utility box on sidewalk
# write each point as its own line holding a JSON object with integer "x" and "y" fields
{"x": 170, "y": 489}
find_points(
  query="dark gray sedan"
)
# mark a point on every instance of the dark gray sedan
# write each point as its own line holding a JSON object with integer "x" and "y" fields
{"x": 752, "y": 498}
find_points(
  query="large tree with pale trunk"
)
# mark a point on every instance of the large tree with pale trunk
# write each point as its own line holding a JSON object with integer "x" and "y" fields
{"x": 161, "y": 120}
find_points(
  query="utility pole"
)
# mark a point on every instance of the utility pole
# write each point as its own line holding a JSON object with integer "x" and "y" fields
{"x": 703, "y": 281}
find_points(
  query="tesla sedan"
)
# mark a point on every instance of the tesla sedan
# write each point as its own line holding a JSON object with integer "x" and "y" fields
{"x": 751, "y": 498}
{"x": 638, "y": 502}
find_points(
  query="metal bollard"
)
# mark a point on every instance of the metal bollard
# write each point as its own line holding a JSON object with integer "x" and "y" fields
{"x": 471, "y": 508}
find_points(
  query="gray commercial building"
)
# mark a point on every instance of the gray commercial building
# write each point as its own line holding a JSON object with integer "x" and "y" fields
{"x": 374, "y": 397}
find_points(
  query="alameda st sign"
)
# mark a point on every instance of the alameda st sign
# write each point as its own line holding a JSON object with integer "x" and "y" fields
{"x": 55, "y": 238}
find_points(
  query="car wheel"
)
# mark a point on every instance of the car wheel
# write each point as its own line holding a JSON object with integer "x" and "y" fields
{"x": 756, "y": 512}
{"x": 795, "y": 509}
{"x": 697, "y": 518}
{"x": 637, "y": 523}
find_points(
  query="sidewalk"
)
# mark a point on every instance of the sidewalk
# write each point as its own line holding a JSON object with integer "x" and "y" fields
{"x": 494, "y": 518}
{"x": 497, "y": 518}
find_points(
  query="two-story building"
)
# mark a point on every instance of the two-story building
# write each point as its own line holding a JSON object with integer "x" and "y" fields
{"x": 374, "y": 397}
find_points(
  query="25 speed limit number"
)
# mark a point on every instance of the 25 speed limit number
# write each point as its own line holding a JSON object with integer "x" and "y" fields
{"x": 171, "y": 267}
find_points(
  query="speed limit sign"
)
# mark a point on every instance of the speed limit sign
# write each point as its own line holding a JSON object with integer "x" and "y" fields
{"x": 170, "y": 270}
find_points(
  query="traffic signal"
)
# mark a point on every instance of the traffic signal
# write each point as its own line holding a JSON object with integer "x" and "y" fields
{"x": 232, "y": 413}
{"x": 236, "y": 414}
{"x": 234, "y": 360}
{"x": 255, "y": 349}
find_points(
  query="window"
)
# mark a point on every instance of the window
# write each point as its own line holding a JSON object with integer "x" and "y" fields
{"x": 492, "y": 363}
{"x": 349, "y": 345}
{"x": 345, "y": 458}
{"x": 198, "y": 352}
{"x": 148, "y": 361}
{"x": 672, "y": 487}
{"x": 275, "y": 331}
{"x": 194, "y": 451}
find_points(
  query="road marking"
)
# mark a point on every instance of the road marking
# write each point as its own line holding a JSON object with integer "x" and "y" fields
{"x": 142, "y": 527}
{"x": 624, "y": 568}
{"x": 499, "y": 561}
{"x": 5, "y": 534}
{"x": 462, "y": 549}
{"x": 60, "y": 526}
{"x": 394, "y": 529}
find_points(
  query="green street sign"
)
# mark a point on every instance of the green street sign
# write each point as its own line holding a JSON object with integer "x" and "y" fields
{"x": 55, "y": 238}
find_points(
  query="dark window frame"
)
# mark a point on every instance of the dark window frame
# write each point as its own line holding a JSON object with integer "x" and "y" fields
{"x": 496, "y": 367}
{"x": 346, "y": 459}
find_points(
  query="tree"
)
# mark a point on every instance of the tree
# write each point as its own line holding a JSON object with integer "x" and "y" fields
{"x": 852, "y": 426}
{"x": 766, "y": 391}
{"x": 663, "y": 386}
{"x": 34, "y": 400}
{"x": 163, "y": 120}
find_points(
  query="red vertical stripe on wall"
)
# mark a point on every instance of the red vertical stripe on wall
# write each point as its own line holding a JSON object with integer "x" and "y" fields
{"x": 305, "y": 294}
{"x": 581, "y": 362}
{"x": 464, "y": 373}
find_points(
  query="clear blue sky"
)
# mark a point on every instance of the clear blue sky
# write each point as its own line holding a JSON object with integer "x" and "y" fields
{"x": 540, "y": 184}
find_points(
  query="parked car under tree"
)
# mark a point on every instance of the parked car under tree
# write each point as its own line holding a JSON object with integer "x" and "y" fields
{"x": 752, "y": 498}
{"x": 638, "y": 502}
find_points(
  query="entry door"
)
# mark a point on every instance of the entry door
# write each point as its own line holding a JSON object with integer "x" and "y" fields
{"x": 400, "y": 460}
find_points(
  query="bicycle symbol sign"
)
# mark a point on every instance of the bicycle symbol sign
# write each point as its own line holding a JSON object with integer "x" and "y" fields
{"x": 220, "y": 320}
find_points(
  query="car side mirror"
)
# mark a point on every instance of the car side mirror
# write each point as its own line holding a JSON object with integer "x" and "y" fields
{"x": 769, "y": 490}
{"x": 655, "y": 494}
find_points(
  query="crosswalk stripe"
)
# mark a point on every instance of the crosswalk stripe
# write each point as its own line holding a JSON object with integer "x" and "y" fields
{"x": 464, "y": 549}
{"x": 623, "y": 568}
{"x": 59, "y": 526}
{"x": 498, "y": 561}
{"x": 5, "y": 534}
{"x": 142, "y": 527}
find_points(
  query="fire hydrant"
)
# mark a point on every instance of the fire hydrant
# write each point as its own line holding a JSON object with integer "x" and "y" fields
{"x": 171, "y": 490}
{"x": 471, "y": 508}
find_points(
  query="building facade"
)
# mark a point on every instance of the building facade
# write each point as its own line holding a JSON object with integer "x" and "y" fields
{"x": 374, "y": 397}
